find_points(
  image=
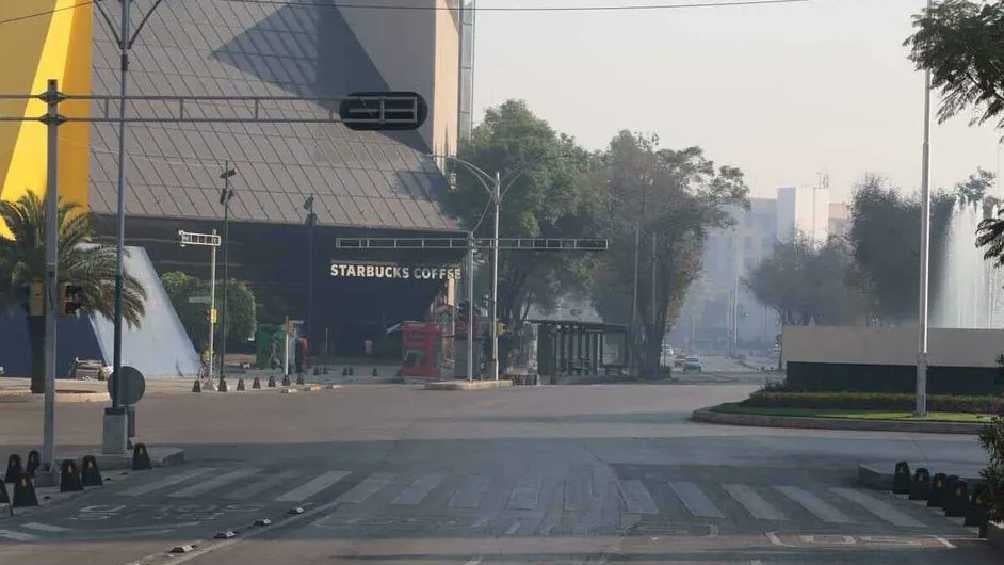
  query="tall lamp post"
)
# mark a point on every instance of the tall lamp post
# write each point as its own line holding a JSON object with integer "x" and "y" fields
{"x": 925, "y": 235}
{"x": 308, "y": 205}
{"x": 225, "y": 195}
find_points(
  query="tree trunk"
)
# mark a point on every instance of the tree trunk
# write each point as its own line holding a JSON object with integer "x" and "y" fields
{"x": 36, "y": 333}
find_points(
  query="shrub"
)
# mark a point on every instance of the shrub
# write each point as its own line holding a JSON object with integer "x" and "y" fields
{"x": 981, "y": 404}
{"x": 992, "y": 439}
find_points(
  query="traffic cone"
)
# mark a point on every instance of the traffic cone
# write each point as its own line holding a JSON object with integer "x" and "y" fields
{"x": 140, "y": 458}
{"x": 240, "y": 383}
{"x": 271, "y": 381}
{"x": 299, "y": 379}
{"x": 13, "y": 468}
{"x": 24, "y": 491}
{"x": 285, "y": 380}
{"x": 69, "y": 476}
{"x": 256, "y": 384}
{"x": 90, "y": 476}
{"x": 197, "y": 386}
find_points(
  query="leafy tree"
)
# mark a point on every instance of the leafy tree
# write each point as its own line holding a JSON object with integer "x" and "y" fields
{"x": 885, "y": 241}
{"x": 667, "y": 200}
{"x": 88, "y": 265}
{"x": 194, "y": 317}
{"x": 974, "y": 189}
{"x": 959, "y": 41}
{"x": 805, "y": 284}
{"x": 544, "y": 195}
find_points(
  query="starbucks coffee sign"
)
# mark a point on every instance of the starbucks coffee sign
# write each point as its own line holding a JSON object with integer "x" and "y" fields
{"x": 392, "y": 271}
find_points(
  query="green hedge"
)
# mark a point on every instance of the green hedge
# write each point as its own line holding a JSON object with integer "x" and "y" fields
{"x": 981, "y": 404}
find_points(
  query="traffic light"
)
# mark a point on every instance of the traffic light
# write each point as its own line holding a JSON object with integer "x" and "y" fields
{"x": 73, "y": 299}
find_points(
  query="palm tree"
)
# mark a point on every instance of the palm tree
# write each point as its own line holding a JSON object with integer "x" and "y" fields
{"x": 87, "y": 265}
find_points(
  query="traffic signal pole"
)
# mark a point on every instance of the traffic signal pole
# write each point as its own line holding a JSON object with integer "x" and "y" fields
{"x": 470, "y": 306}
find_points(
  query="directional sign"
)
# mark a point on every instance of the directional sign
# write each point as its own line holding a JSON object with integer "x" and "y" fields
{"x": 199, "y": 299}
{"x": 383, "y": 111}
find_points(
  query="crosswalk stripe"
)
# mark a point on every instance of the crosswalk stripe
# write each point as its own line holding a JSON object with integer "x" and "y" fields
{"x": 879, "y": 508}
{"x": 172, "y": 480}
{"x": 213, "y": 483}
{"x": 753, "y": 502}
{"x": 470, "y": 493}
{"x": 636, "y": 498}
{"x": 312, "y": 487}
{"x": 418, "y": 490}
{"x": 252, "y": 489}
{"x": 525, "y": 495}
{"x": 815, "y": 505}
{"x": 17, "y": 536}
{"x": 367, "y": 488}
{"x": 696, "y": 502}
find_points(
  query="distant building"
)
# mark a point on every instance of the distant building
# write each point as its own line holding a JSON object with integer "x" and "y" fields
{"x": 803, "y": 212}
{"x": 840, "y": 219}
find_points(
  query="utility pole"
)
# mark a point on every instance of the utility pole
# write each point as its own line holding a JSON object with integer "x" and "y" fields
{"x": 495, "y": 280}
{"x": 470, "y": 306}
{"x": 52, "y": 122}
{"x": 633, "y": 334}
{"x": 225, "y": 197}
{"x": 308, "y": 205}
{"x": 653, "y": 319}
{"x": 925, "y": 234}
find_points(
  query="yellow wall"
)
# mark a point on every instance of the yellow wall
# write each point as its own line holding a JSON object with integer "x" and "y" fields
{"x": 54, "y": 46}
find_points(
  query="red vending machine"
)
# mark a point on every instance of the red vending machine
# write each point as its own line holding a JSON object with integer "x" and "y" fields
{"x": 421, "y": 343}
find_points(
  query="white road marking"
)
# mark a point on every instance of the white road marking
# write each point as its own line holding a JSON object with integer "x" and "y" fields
{"x": 140, "y": 490}
{"x": 17, "y": 536}
{"x": 367, "y": 488}
{"x": 755, "y": 504}
{"x": 474, "y": 561}
{"x": 43, "y": 527}
{"x": 879, "y": 508}
{"x": 525, "y": 495}
{"x": 696, "y": 502}
{"x": 418, "y": 490}
{"x": 513, "y": 528}
{"x": 815, "y": 505}
{"x": 636, "y": 498}
{"x": 206, "y": 486}
{"x": 470, "y": 493}
{"x": 313, "y": 486}
{"x": 252, "y": 489}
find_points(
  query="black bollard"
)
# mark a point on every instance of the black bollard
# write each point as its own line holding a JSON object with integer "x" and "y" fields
{"x": 90, "y": 476}
{"x": 196, "y": 386}
{"x": 375, "y": 372}
{"x": 352, "y": 371}
{"x": 901, "y": 478}
{"x": 345, "y": 371}
{"x": 920, "y": 485}
{"x": 271, "y": 381}
{"x": 299, "y": 379}
{"x": 69, "y": 476}
{"x": 256, "y": 384}
{"x": 958, "y": 500}
{"x": 240, "y": 383}
{"x": 978, "y": 512}
{"x": 285, "y": 380}
{"x": 140, "y": 458}
{"x": 13, "y": 468}
{"x": 4, "y": 497}
{"x": 24, "y": 491}
{"x": 937, "y": 491}
{"x": 34, "y": 460}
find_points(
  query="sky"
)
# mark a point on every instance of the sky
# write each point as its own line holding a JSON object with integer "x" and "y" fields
{"x": 785, "y": 92}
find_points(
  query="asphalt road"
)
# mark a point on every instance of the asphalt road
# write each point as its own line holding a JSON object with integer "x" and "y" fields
{"x": 395, "y": 474}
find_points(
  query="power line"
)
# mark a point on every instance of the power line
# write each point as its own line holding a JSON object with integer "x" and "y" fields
{"x": 394, "y": 7}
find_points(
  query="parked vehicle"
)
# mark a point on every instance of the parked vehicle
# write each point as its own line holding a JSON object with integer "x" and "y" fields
{"x": 693, "y": 364}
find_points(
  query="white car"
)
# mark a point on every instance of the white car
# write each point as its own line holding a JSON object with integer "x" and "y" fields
{"x": 692, "y": 364}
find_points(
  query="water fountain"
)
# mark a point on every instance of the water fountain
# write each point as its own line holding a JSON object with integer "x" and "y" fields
{"x": 969, "y": 293}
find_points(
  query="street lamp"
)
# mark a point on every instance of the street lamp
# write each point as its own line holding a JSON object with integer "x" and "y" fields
{"x": 308, "y": 205}
{"x": 225, "y": 195}
{"x": 925, "y": 231}
{"x": 493, "y": 186}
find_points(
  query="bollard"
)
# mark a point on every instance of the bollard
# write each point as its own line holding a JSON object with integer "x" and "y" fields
{"x": 4, "y": 497}
{"x": 69, "y": 476}
{"x": 345, "y": 371}
{"x": 375, "y": 372}
{"x": 285, "y": 380}
{"x": 240, "y": 383}
{"x": 978, "y": 512}
{"x": 352, "y": 371}
{"x": 901, "y": 478}
{"x": 90, "y": 476}
{"x": 948, "y": 491}
{"x": 920, "y": 485}
{"x": 256, "y": 384}
{"x": 140, "y": 457}
{"x": 271, "y": 381}
{"x": 958, "y": 500}
{"x": 34, "y": 460}
{"x": 13, "y": 468}
{"x": 317, "y": 371}
{"x": 24, "y": 492}
{"x": 196, "y": 386}
{"x": 937, "y": 491}
{"x": 299, "y": 379}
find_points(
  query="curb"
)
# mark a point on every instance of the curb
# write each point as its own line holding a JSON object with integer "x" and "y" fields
{"x": 464, "y": 385}
{"x": 710, "y": 416}
{"x": 75, "y": 396}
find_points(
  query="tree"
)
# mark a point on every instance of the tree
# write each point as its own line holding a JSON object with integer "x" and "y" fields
{"x": 544, "y": 196}
{"x": 974, "y": 189}
{"x": 885, "y": 241}
{"x": 805, "y": 284}
{"x": 666, "y": 200}
{"x": 85, "y": 264}
{"x": 194, "y": 318}
{"x": 959, "y": 41}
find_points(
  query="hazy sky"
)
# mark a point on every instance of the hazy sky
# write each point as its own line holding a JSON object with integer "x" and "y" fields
{"x": 783, "y": 91}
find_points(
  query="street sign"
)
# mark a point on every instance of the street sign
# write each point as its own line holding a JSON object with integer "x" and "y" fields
{"x": 373, "y": 111}
{"x": 132, "y": 388}
{"x": 199, "y": 299}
